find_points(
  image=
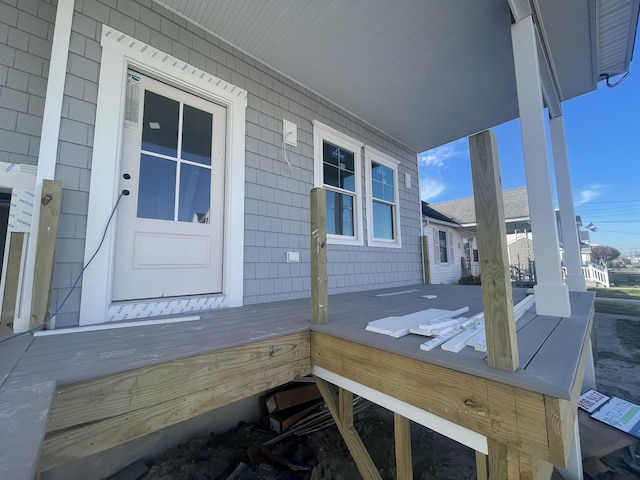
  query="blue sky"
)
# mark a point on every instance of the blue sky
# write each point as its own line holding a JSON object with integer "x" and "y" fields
{"x": 603, "y": 142}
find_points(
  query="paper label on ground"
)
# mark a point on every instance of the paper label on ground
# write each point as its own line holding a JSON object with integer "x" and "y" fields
{"x": 591, "y": 400}
{"x": 620, "y": 414}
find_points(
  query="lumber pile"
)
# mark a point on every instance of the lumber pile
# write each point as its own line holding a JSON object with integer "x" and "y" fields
{"x": 447, "y": 329}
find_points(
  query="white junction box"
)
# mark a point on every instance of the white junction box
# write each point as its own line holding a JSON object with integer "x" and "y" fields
{"x": 293, "y": 257}
{"x": 290, "y": 133}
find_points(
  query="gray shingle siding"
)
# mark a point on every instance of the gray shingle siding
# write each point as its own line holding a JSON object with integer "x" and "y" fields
{"x": 276, "y": 197}
{"x": 25, "y": 48}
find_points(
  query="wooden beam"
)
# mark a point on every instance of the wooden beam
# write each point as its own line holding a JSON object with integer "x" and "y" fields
{"x": 482, "y": 472}
{"x": 425, "y": 259}
{"x": 402, "y": 434}
{"x": 9, "y": 298}
{"x": 502, "y": 344}
{"x": 358, "y": 451}
{"x": 98, "y": 414}
{"x": 464, "y": 399}
{"x": 319, "y": 292}
{"x": 345, "y": 398}
{"x": 50, "y": 202}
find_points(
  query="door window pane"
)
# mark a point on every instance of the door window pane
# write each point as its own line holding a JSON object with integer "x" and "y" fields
{"x": 338, "y": 167}
{"x": 156, "y": 188}
{"x": 197, "y": 127}
{"x": 339, "y": 213}
{"x": 195, "y": 194}
{"x": 160, "y": 124}
{"x": 382, "y": 221}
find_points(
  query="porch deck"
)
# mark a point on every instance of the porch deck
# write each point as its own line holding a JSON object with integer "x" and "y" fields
{"x": 85, "y": 392}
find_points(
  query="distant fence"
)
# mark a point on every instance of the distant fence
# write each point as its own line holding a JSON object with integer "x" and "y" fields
{"x": 593, "y": 273}
{"x": 596, "y": 273}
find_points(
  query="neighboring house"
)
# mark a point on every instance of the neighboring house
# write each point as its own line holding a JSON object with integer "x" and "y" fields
{"x": 518, "y": 224}
{"x": 452, "y": 249}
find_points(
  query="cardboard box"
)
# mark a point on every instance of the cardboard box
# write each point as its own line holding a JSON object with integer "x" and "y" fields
{"x": 281, "y": 421}
{"x": 290, "y": 398}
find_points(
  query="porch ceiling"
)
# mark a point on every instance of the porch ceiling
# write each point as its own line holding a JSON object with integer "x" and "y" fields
{"x": 425, "y": 72}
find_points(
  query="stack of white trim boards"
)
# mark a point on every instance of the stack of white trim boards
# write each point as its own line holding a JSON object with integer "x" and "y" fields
{"x": 447, "y": 329}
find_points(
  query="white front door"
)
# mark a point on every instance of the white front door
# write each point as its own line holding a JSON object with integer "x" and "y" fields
{"x": 170, "y": 226}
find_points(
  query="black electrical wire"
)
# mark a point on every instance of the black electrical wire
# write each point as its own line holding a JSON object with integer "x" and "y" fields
{"x": 75, "y": 283}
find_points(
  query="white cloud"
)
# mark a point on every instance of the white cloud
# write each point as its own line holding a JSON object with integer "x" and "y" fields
{"x": 588, "y": 194}
{"x": 430, "y": 188}
{"x": 440, "y": 156}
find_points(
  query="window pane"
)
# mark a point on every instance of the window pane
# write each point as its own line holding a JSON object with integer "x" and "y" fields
{"x": 442, "y": 236}
{"x": 196, "y": 135}
{"x": 160, "y": 124}
{"x": 156, "y": 188}
{"x": 382, "y": 182}
{"x": 382, "y": 221}
{"x": 338, "y": 167}
{"x": 195, "y": 194}
{"x": 339, "y": 214}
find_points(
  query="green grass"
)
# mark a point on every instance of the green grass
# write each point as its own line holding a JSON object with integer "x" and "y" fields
{"x": 617, "y": 292}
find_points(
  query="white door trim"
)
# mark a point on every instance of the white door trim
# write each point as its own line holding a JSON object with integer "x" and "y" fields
{"x": 15, "y": 176}
{"x": 47, "y": 154}
{"x": 120, "y": 52}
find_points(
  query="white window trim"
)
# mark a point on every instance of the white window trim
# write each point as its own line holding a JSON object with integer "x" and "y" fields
{"x": 373, "y": 155}
{"x": 321, "y": 133}
{"x": 119, "y": 53}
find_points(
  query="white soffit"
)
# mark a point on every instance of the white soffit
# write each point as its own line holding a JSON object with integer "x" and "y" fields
{"x": 425, "y": 72}
{"x": 617, "y": 23}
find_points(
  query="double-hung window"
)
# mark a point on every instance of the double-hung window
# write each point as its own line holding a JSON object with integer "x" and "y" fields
{"x": 337, "y": 169}
{"x": 383, "y": 216}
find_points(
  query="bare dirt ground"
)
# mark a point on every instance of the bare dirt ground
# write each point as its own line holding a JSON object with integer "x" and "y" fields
{"x": 434, "y": 456}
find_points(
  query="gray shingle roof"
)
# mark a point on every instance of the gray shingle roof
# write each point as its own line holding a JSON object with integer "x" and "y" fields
{"x": 427, "y": 211}
{"x": 463, "y": 211}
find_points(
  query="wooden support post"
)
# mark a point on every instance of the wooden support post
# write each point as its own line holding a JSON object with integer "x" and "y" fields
{"x": 402, "y": 433}
{"x": 481, "y": 466}
{"x": 511, "y": 464}
{"x": 47, "y": 232}
{"x": 358, "y": 451}
{"x": 319, "y": 294}
{"x": 425, "y": 259}
{"x": 16, "y": 240}
{"x": 497, "y": 298}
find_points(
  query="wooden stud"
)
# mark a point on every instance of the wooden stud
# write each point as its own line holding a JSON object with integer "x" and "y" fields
{"x": 319, "y": 293}
{"x": 425, "y": 259}
{"x": 13, "y": 260}
{"x": 47, "y": 232}
{"x": 402, "y": 434}
{"x": 497, "y": 460}
{"x": 357, "y": 449}
{"x": 502, "y": 344}
{"x": 482, "y": 472}
{"x": 345, "y": 398}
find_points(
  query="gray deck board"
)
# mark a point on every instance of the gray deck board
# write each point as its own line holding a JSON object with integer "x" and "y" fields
{"x": 24, "y": 413}
{"x": 30, "y": 368}
{"x": 10, "y": 354}
{"x": 557, "y": 360}
{"x": 535, "y": 332}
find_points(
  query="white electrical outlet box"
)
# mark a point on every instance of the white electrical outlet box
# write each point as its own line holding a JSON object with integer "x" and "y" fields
{"x": 407, "y": 180}
{"x": 290, "y": 133}
{"x": 293, "y": 257}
